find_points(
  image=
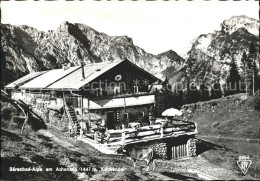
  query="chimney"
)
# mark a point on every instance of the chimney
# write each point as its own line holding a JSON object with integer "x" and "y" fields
{"x": 64, "y": 65}
{"x": 82, "y": 68}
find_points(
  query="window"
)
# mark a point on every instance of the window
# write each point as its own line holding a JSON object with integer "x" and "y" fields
{"x": 23, "y": 92}
{"x": 98, "y": 92}
{"x": 136, "y": 89}
{"x": 116, "y": 90}
{"x": 53, "y": 94}
{"x": 117, "y": 116}
{"x": 126, "y": 115}
{"x": 122, "y": 87}
{"x": 110, "y": 92}
{"x": 139, "y": 115}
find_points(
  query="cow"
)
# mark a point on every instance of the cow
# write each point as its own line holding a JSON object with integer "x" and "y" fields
{"x": 138, "y": 154}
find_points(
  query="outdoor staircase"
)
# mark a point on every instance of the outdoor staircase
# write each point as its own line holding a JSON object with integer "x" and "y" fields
{"x": 72, "y": 118}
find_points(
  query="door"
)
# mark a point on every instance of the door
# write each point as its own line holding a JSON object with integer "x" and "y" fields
{"x": 111, "y": 118}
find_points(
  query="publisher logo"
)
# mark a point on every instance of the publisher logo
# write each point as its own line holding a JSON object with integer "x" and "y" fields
{"x": 244, "y": 163}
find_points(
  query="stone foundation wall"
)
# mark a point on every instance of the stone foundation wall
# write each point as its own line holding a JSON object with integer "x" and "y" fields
{"x": 192, "y": 147}
{"x": 163, "y": 147}
{"x": 160, "y": 150}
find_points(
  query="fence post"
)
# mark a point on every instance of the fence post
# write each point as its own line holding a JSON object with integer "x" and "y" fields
{"x": 95, "y": 137}
{"x": 196, "y": 128}
{"x": 188, "y": 148}
{"x": 161, "y": 131}
{"x": 123, "y": 138}
{"x": 81, "y": 133}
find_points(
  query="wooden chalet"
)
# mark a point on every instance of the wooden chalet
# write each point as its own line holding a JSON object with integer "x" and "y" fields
{"x": 119, "y": 91}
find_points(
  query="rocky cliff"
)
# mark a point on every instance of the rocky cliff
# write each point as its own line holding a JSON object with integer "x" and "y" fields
{"x": 25, "y": 49}
{"x": 213, "y": 51}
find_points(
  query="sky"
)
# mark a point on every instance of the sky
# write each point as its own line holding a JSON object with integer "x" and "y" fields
{"x": 156, "y": 26}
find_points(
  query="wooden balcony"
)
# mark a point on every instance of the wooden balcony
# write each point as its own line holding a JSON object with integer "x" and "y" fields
{"x": 118, "y": 101}
{"x": 121, "y": 96}
{"x": 113, "y": 139}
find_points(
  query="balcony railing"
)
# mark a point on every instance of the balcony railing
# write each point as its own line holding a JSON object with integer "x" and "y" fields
{"x": 119, "y": 101}
{"x": 120, "y": 95}
{"x": 128, "y": 135}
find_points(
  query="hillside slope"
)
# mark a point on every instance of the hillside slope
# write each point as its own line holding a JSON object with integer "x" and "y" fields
{"x": 44, "y": 148}
{"x": 232, "y": 116}
{"x": 230, "y": 122}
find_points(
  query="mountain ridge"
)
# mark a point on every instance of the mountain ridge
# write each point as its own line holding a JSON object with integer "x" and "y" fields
{"x": 25, "y": 49}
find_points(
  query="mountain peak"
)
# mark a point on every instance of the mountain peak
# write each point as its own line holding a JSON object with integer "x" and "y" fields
{"x": 64, "y": 26}
{"x": 169, "y": 54}
{"x": 214, "y": 51}
{"x": 235, "y": 22}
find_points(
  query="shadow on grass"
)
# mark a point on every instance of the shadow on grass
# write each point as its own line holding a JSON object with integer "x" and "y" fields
{"x": 178, "y": 176}
{"x": 203, "y": 146}
{"x": 129, "y": 175}
{"x": 10, "y": 136}
{"x": 36, "y": 122}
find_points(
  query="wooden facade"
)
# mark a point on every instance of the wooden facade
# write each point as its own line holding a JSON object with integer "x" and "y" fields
{"x": 124, "y": 79}
{"x": 120, "y": 94}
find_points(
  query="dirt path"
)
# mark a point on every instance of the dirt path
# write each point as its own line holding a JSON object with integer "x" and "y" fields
{"x": 165, "y": 170}
{"x": 228, "y": 138}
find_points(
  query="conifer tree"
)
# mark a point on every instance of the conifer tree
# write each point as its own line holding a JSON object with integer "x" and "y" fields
{"x": 253, "y": 71}
{"x": 163, "y": 101}
{"x": 216, "y": 91}
{"x": 194, "y": 94}
{"x": 186, "y": 98}
{"x": 244, "y": 67}
{"x": 233, "y": 80}
{"x": 255, "y": 78}
{"x": 252, "y": 50}
{"x": 177, "y": 95}
{"x": 190, "y": 68}
{"x": 180, "y": 98}
{"x": 204, "y": 92}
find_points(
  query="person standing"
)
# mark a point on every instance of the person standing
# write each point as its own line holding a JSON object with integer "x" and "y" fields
{"x": 102, "y": 129}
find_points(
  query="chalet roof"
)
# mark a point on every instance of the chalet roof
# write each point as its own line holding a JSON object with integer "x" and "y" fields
{"x": 91, "y": 71}
{"x": 48, "y": 78}
{"x": 71, "y": 79}
{"x": 24, "y": 79}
